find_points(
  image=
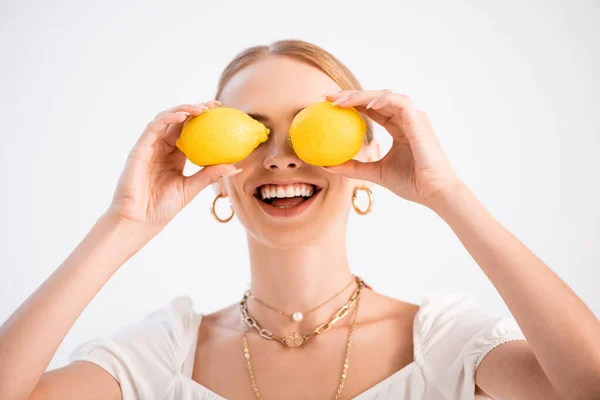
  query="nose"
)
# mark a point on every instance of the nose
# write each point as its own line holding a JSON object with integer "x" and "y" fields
{"x": 281, "y": 156}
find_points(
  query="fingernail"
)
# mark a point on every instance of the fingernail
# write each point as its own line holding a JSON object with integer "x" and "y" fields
{"x": 217, "y": 101}
{"x": 372, "y": 103}
{"x": 231, "y": 173}
{"x": 200, "y": 105}
{"x": 182, "y": 113}
{"x": 340, "y": 100}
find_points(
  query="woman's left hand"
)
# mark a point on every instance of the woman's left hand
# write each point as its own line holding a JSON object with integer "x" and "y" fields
{"x": 416, "y": 167}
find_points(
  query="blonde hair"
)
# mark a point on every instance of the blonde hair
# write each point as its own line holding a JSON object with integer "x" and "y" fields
{"x": 302, "y": 51}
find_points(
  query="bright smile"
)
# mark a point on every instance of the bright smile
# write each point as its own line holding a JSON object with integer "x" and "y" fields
{"x": 286, "y": 199}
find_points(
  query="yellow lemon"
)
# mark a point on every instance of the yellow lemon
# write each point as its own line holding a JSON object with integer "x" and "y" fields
{"x": 221, "y": 136}
{"x": 326, "y": 135}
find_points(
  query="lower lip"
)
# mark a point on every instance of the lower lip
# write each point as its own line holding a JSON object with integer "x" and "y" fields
{"x": 287, "y": 212}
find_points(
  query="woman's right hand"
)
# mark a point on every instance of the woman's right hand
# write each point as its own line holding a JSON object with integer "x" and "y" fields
{"x": 152, "y": 188}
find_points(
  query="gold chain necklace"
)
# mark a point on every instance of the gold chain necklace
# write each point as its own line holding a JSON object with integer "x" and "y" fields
{"x": 296, "y": 339}
{"x": 299, "y": 316}
{"x": 346, "y": 360}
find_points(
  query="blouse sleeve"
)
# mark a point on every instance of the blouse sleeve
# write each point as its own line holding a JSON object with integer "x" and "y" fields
{"x": 143, "y": 357}
{"x": 452, "y": 335}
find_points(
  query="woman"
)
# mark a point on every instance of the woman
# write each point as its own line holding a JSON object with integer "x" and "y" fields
{"x": 281, "y": 341}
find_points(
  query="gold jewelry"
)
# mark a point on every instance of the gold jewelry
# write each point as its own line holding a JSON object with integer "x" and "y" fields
{"x": 346, "y": 359}
{"x": 355, "y": 196}
{"x": 213, "y": 211}
{"x": 298, "y": 316}
{"x": 296, "y": 339}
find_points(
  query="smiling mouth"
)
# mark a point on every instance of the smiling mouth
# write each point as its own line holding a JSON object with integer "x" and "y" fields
{"x": 286, "y": 196}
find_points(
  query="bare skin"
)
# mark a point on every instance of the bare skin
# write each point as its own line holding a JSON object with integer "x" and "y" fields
{"x": 382, "y": 346}
{"x": 297, "y": 262}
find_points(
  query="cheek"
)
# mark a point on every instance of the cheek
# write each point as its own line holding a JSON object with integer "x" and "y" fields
{"x": 340, "y": 192}
{"x": 253, "y": 160}
{"x": 239, "y": 200}
{"x": 235, "y": 191}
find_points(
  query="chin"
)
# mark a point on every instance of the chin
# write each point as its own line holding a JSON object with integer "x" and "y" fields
{"x": 292, "y": 236}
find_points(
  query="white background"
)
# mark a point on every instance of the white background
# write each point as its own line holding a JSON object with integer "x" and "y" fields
{"x": 512, "y": 90}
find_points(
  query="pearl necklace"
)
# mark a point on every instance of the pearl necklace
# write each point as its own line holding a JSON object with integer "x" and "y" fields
{"x": 299, "y": 316}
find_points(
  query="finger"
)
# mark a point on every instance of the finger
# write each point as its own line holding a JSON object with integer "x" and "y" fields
{"x": 358, "y": 97}
{"x": 417, "y": 130}
{"x": 194, "y": 110}
{"x": 425, "y": 119}
{"x": 402, "y": 106}
{"x": 157, "y": 128}
{"x": 171, "y": 132}
{"x": 366, "y": 171}
{"x": 212, "y": 103}
{"x": 192, "y": 185}
{"x": 174, "y": 131}
{"x": 389, "y": 105}
{"x": 339, "y": 94}
{"x": 191, "y": 108}
{"x": 376, "y": 116}
{"x": 372, "y": 114}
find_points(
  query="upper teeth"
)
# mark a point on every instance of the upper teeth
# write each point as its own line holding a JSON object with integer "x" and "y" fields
{"x": 281, "y": 191}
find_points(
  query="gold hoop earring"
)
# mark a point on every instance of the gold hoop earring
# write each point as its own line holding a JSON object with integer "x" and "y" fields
{"x": 213, "y": 211}
{"x": 354, "y": 197}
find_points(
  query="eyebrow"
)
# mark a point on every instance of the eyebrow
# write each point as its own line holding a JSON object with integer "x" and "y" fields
{"x": 264, "y": 118}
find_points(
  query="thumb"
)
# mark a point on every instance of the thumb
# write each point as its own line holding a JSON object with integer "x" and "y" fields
{"x": 365, "y": 171}
{"x": 195, "y": 183}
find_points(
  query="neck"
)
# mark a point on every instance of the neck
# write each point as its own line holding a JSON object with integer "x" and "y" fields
{"x": 299, "y": 279}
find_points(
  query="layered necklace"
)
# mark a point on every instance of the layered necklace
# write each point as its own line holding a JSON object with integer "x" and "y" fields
{"x": 297, "y": 339}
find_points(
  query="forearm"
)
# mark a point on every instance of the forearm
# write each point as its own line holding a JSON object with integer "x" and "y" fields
{"x": 561, "y": 330}
{"x": 30, "y": 337}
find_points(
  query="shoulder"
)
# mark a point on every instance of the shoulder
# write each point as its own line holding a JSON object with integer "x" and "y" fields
{"x": 177, "y": 317}
{"x": 388, "y": 310}
{"x": 451, "y": 335}
{"x": 144, "y": 355}
{"x": 171, "y": 325}
{"x": 454, "y": 316}
{"x": 443, "y": 309}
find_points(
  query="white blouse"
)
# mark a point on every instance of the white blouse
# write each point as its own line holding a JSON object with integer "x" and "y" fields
{"x": 153, "y": 358}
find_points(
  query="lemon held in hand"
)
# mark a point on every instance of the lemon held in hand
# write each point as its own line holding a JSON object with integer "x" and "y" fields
{"x": 327, "y": 135}
{"x": 221, "y": 136}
